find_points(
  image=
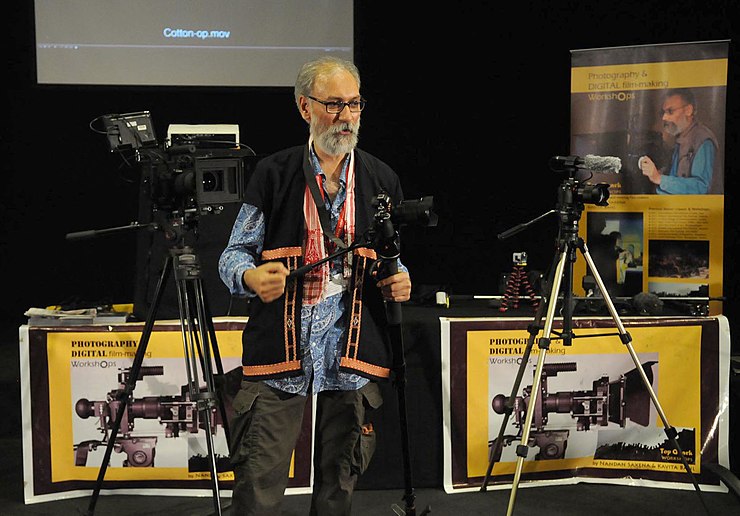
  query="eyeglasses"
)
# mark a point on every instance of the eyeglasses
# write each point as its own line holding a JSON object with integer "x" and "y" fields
{"x": 671, "y": 110}
{"x": 337, "y": 106}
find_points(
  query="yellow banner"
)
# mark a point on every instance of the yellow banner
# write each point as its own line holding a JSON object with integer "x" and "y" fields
{"x": 86, "y": 370}
{"x": 649, "y": 76}
{"x": 494, "y": 355}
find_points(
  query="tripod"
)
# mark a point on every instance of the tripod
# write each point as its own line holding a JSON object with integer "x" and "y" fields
{"x": 199, "y": 345}
{"x": 569, "y": 210}
{"x": 518, "y": 282}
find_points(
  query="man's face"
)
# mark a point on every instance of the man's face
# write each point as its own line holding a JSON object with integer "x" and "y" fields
{"x": 335, "y": 133}
{"x": 676, "y": 115}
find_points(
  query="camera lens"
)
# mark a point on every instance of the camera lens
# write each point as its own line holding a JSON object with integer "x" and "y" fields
{"x": 597, "y": 194}
{"x": 212, "y": 182}
{"x": 418, "y": 211}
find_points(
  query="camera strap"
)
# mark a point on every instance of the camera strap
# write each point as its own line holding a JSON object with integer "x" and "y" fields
{"x": 318, "y": 200}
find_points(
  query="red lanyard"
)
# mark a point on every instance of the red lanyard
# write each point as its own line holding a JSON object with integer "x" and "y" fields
{"x": 340, "y": 230}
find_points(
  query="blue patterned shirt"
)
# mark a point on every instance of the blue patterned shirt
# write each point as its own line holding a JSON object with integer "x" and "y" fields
{"x": 322, "y": 325}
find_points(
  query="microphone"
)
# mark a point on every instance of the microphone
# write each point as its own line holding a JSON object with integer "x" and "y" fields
{"x": 588, "y": 162}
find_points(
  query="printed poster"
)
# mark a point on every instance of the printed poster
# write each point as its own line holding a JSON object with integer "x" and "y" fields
{"x": 72, "y": 382}
{"x": 594, "y": 417}
{"x": 659, "y": 109}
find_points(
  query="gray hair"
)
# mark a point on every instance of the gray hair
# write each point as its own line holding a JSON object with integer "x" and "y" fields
{"x": 687, "y": 96}
{"x": 322, "y": 66}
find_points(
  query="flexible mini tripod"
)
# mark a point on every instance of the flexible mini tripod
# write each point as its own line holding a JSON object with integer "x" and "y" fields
{"x": 517, "y": 284}
{"x": 571, "y": 198}
{"x": 199, "y": 345}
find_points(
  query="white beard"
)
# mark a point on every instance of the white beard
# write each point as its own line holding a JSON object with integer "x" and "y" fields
{"x": 331, "y": 141}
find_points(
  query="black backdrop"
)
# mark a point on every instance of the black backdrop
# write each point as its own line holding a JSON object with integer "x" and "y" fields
{"x": 467, "y": 103}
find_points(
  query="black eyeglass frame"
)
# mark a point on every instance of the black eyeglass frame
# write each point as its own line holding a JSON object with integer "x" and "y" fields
{"x": 672, "y": 110}
{"x": 337, "y": 103}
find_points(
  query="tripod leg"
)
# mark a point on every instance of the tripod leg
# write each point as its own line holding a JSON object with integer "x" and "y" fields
{"x": 399, "y": 367}
{"x": 208, "y": 399}
{"x": 544, "y": 344}
{"x": 534, "y": 330}
{"x": 626, "y": 339}
{"x": 216, "y": 358}
{"x": 512, "y": 288}
{"x": 194, "y": 329}
{"x": 131, "y": 382}
{"x": 498, "y": 442}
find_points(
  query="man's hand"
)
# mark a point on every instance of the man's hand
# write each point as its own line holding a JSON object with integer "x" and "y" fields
{"x": 649, "y": 169}
{"x": 267, "y": 280}
{"x": 396, "y": 287}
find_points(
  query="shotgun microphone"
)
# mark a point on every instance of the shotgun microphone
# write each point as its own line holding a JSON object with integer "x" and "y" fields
{"x": 589, "y": 162}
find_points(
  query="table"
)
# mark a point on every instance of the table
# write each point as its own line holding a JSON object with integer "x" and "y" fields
{"x": 62, "y": 365}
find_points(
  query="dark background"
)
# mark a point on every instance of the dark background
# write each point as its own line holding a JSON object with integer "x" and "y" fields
{"x": 466, "y": 103}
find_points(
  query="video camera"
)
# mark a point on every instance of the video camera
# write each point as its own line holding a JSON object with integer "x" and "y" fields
{"x": 197, "y": 178}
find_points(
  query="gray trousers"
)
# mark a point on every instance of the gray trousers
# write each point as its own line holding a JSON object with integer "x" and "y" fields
{"x": 264, "y": 431}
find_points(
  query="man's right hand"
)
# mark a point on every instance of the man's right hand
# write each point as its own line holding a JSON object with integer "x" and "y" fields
{"x": 267, "y": 280}
{"x": 649, "y": 169}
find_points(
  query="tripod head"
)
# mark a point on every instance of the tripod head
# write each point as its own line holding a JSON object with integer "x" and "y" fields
{"x": 573, "y": 195}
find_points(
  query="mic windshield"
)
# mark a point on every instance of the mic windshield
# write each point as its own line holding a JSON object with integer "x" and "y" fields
{"x": 602, "y": 163}
{"x": 588, "y": 162}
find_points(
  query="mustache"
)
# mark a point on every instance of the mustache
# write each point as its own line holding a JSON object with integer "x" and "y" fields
{"x": 343, "y": 127}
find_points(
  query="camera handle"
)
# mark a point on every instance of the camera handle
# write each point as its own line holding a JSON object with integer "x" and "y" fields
{"x": 521, "y": 227}
{"x": 92, "y": 233}
{"x": 300, "y": 271}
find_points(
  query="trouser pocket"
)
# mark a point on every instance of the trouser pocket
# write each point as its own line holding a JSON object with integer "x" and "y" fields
{"x": 241, "y": 420}
{"x": 366, "y": 442}
{"x": 364, "y": 449}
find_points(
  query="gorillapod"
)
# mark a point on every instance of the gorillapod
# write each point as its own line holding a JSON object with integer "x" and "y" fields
{"x": 199, "y": 346}
{"x": 571, "y": 198}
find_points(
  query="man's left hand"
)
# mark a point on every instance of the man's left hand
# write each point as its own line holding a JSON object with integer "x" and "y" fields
{"x": 396, "y": 287}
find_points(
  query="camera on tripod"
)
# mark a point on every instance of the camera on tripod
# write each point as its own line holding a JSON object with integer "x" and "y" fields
{"x": 185, "y": 179}
{"x": 575, "y": 193}
{"x": 197, "y": 178}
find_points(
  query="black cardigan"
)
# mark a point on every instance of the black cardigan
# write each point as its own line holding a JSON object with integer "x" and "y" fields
{"x": 271, "y": 347}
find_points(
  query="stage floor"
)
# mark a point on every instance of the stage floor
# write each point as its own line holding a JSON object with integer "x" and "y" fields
{"x": 566, "y": 500}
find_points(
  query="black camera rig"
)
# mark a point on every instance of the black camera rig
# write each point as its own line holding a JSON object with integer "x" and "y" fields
{"x": 186, "y": 179}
